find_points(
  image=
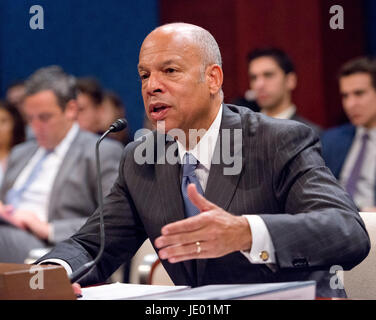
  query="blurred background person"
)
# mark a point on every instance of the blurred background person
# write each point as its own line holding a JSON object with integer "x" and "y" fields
{"x": 112, "y": 108}
{"x": 272, "y": 79}
{"x": 350, "y": 150}
{"x": 89, "y": 100}
{"x": 15, "y": 93}
{"x": 50, "y": 181}
{"x": 12, "y": 132}
{"x": 248, "y": 100}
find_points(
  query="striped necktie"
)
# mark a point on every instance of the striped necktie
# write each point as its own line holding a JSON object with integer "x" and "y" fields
{"x": 355, "y": 172}
{"x": 190, "y": 164}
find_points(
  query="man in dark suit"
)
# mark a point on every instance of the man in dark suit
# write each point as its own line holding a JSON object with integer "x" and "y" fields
{"x": 272, "y": 79}
{"x": 350, "y": 150}
{"x": 258, "y": 206}
{"x": 50, "y": 181}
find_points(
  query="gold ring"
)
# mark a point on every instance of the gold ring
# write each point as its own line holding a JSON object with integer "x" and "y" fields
{"x": 198, "y": 247}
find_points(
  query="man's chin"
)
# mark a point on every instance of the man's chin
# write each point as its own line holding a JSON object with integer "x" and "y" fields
{"x": 44, "y": 144}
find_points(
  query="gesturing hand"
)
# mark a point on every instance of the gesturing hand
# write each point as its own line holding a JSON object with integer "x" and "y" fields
{"x": 210, "y": 234}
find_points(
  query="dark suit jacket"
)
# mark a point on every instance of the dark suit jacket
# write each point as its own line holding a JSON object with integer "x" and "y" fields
{"x": 312, "y": 221}
{"x": 336, "y": 144}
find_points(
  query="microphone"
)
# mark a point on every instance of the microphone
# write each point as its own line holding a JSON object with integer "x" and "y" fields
{"x": 118, "y": 125}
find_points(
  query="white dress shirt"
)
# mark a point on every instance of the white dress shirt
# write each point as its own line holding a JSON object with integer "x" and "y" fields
{"x": 364, "y": 195}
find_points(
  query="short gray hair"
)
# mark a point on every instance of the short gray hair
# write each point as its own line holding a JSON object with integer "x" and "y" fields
{"x": 208, "y": 47}
{"x": 55, "y": 79}
{"x": 206, "y": 43}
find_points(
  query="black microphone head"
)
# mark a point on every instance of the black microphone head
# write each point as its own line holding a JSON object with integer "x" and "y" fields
{"x": 118, "y": 125}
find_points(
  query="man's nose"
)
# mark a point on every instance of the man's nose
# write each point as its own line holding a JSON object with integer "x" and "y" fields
{"x": 257, "y": 83}
{"x": 35, "y": 124}
{"x": 154, "y": 83}
{"x": 350, "y": 102}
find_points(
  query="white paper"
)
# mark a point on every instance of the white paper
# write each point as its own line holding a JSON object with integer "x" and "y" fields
{"x": 118, "y": 291}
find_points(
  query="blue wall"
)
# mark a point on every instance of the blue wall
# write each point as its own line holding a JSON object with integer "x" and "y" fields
{"x": 98, "y": 38}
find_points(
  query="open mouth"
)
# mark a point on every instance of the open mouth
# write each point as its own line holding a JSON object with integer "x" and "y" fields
{"x": 158, "y": 111}
{"x": 159, "y": 108}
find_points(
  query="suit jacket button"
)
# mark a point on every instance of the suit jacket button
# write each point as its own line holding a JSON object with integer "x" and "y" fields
{"x": 264, "y": 255}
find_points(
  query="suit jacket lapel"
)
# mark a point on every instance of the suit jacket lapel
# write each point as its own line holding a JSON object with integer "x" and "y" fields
{"x": 16, "y": 167}
{"x": 69, "y": 161}
{"x": 221, "y": 185}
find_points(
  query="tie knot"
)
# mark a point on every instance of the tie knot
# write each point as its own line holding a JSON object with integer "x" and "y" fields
{"x": 365, "y": 137}
{"x": 189, "y": 164}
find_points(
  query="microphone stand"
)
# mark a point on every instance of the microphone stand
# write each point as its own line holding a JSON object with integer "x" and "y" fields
{"x": 118, "y": 125}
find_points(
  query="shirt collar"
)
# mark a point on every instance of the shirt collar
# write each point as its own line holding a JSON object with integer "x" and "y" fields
{"x": 360, "y": 131}
{"x": 204, "y": 150}
{"x": 286, "y": 114}
{"x": 64, "y": 144}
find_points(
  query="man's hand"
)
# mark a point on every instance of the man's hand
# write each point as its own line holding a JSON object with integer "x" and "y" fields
{"x": 6, "y": 209}
{"x": 77, "y": 289}
{"x": 29, "y": 220}
{"x": 217, "y": 231}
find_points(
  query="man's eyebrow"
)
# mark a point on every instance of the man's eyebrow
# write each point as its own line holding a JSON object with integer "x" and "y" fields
{"x": 168, "y": 62}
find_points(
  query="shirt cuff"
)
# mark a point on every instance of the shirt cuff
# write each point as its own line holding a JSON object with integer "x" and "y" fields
{"x": 262, "y": 250}
{"x": 63, "y": 263}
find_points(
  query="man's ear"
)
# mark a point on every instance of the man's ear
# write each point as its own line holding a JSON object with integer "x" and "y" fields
{"x": 214, "y": 76}
{"x": 71, "y": 109}
{"x": 291, "y": 80}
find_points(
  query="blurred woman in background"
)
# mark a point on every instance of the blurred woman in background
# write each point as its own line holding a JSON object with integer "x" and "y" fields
{"x": 12, "y": 132}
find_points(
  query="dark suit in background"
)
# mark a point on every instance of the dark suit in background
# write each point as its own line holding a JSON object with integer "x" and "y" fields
{"x": 336, "y": 144}
{"x": 312, "y": 221}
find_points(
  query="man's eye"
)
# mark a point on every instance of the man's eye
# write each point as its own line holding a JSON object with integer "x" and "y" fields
{"x": 143, "y": 76}
{"x": 170, "y": 70}
{"x": 45, "y": 117}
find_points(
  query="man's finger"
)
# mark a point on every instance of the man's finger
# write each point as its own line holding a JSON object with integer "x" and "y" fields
{"x": 198, "y": 200}
{"x": 186, "y": 225}
{"x": 77, "y": 289}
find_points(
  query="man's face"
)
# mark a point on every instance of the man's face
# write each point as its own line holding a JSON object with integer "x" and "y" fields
{"x": 87, "y": 116}
{"x": 359, "y": 99}
{"x": 174, "y": 85}
{"x": 6, "y": 128}
{"x": 269, "y": 82}
{"x": 49, "y": 122}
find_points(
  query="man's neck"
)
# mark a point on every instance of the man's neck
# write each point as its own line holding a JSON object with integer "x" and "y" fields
{"x": 275, "y": 111}
{"x": 4, "y": 152}
{"x": 193, "y": 136}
